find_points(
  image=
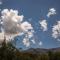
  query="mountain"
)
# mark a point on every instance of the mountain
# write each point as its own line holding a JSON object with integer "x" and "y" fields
{"x": 55, "y": 49}
{"x": 41, "y": 50}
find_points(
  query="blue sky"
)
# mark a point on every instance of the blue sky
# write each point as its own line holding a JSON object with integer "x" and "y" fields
{"x": 34, "y": 11}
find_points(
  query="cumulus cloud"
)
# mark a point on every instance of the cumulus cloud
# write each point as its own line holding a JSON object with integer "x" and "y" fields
{"x": 28, "y": 30}
{"x": 43, "y": 24}
{"x": 26, "y": 42}
{"x": 52, "y": 11}
{"x": 26, "y": 26}
{"x": 56, "y": 30}
{"x": 10, "y": 21}
{"x": 13, "y": 25}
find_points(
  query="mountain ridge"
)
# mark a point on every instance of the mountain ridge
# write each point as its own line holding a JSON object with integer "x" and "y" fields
{"x": 41, "y": 50}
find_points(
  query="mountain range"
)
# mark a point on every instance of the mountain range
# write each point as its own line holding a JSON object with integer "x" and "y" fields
{"x": 41, "y": 50}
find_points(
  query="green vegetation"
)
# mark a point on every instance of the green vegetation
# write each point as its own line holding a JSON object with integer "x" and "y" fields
{"x": 9, "y": 52}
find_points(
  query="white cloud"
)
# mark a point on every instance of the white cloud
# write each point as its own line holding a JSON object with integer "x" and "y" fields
{"x": 26, "y": 26}
{"x": 56, "y": 30}
{"x": 28, "y": 29}
{"x": 10, "y": 21}
{"x": 43, "y": 24}
{"x": 52, "y": 11}
{"x": 30, "y": 34}
{"x": 26, "y": 42}
{"x": 33, "y": 41}
{"x": 13, "y": 25}
{"x": 40, "y": 43}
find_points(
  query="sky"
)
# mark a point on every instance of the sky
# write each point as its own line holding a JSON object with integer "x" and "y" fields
{"x": 42, "y": 15}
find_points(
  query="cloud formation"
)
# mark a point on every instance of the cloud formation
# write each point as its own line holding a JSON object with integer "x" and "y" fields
{"x": 26, "y": 26}
{"x": 26, "y": 42}
{"x": 51, "y": 12}
{"x": 43, "y": 25}
{"x": 13, "y": 25}
{"x": 10, "y": 21}
{"x": 28, "y": 36}
{"x": 56, "y": 30}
